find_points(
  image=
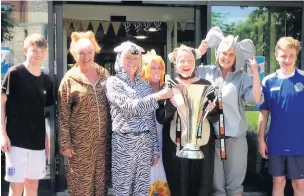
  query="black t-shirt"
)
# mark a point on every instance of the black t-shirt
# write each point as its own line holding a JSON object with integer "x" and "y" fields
{"x": 27, "y": 95}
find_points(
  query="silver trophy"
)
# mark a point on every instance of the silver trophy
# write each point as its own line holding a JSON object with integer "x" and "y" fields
{"x": 189, "y": 99}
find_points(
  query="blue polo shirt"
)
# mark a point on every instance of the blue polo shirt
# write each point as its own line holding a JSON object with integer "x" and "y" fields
{"x": 284, "y": 99}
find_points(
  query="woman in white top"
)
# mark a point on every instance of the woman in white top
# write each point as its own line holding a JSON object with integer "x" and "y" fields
{"x": 153, "y": 71}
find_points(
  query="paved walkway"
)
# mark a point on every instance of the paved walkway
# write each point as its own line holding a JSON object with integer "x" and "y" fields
{"x": 110, "y": 193}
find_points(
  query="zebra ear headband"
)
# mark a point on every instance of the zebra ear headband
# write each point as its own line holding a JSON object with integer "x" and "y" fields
{"x": 129, "y": 46}
{"x": 244, "y": 49}
{"x": 121, "y": 51}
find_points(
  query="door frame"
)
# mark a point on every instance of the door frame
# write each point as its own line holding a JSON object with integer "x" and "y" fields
{"x": 55, "y": 36}
{"x": 57, "y": 71}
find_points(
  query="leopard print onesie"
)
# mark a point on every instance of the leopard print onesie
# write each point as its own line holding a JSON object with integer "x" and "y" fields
{"x": 83, "y": 126}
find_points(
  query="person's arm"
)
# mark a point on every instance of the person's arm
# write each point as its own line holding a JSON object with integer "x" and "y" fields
{"x": 256, "y": 87}
{"x": 251, "y": 87}
{"x": 156, "y": 151}
{"x": 250, "y": 91}
{"x": 214, "y": 113}
{"x": 3, "y": 114}
{"x": 263, "y": 119}
{"x": 64, "y": 116}
{"x": 203, "y": 47}
{"x": 138, "y": 107}
{"x": 165, "y": 112}
{"x": 5, "y": 141}
{"x": 6, "y": 88}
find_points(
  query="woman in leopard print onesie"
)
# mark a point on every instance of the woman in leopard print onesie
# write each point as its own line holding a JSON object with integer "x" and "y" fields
{"x": 83, "y": 119}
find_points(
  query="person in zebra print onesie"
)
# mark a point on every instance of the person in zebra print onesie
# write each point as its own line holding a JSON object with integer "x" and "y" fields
{"x": 132, "y": 107}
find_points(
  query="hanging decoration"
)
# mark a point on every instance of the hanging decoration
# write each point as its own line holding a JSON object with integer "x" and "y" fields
{"x": 95, "y": 25}
{"x": 77, "y": 25}
{"x": 157, "y": 25}
{"x": 183, "y": 24}
{"x": 127, "y": 26}
{"x": 116, "y": 26}
{"x": 147, "y": 25}
{"x": 105, "y": 26}
{"x": 137, "y": 26}
{"x": 66, "y": 23}
{"x": 85, "y": 24}
{"x": 82, "y": 25}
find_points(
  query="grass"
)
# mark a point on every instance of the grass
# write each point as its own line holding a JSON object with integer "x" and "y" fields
{"x": 252, "y": 120}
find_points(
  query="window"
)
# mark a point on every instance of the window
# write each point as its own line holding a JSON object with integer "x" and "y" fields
{"x": 19, "y": 19}
{"x": 263, "y": 25}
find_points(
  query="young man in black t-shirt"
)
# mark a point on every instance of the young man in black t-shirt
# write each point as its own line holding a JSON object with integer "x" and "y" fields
{"x": 25, "y": 92}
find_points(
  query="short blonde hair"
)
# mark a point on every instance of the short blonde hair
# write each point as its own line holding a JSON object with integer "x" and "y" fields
{"x": 35, "y": 39}
{"x": 83, "y": 35}
{"x": 288, "y": 43}
{"x": 147, "y": 62}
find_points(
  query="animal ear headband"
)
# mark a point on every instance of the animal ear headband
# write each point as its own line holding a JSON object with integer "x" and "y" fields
{"x": 121, "y": 50}
{"x": 244, "y": 49}
{"x": 129, "y": 46}
{"x": 195, "y": 52}
{"x": 149, "y": 55}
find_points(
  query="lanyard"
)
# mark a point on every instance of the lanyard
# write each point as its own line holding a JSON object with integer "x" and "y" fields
{"x": 178, "y": 135}
{"x": 222, "y": 128}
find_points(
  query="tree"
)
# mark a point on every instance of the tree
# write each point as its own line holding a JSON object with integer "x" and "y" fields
{"x": 7, "y": 23}
{"x": 264, "y": 26}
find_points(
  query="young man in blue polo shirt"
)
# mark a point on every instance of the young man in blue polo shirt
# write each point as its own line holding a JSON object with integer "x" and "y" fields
{"x": 284, "y": 101}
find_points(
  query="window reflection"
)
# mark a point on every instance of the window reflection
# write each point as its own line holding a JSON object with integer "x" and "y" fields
{"x": 264, "y": 25}
{"x": 22, "y": 18}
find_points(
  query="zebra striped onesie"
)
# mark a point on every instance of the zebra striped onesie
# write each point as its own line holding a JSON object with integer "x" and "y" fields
{"x": 134, "y": 139}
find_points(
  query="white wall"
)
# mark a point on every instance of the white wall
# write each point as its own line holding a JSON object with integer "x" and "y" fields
{"x": 132, "y": 13}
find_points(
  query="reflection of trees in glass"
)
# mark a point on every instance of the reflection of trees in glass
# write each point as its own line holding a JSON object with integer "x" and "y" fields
{"x": 7, "y": 23}
{"x": 264, "y": 25}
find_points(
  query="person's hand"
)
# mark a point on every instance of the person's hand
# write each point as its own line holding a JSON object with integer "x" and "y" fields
{"x": 210, "y": 106}
{"x": 253, "y": 66}
{"x": 263, "y": 149}
{"x": 173, "y": 101}
{"x": 5, "y": 143}
{"x": 165, "y": 93}
{"x": 68, "y": 152}
{"x": 203, "y": 47}
{"x": 155, "y": 161}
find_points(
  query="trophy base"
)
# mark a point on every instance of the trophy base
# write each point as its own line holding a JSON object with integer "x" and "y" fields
{"x": 191, "y": 152}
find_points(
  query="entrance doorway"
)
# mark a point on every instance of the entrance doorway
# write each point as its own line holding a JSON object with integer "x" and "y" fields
{"x": 161, "y": 28}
